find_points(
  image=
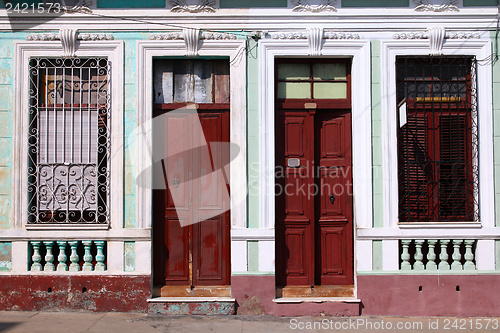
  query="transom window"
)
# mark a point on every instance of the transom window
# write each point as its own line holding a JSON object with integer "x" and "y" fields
{"x": 437, "y": 139}
{"x": 68, "y": 142}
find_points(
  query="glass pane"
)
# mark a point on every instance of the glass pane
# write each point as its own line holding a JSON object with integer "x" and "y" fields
{"x": 294, "y": 90}
{"x": 330, "y": 90}
{"x": 293, "y": 72}
{"x": 329, "y": 72}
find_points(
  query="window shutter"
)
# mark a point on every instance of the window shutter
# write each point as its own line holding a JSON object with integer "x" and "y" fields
{"x": 413, "y": 165}
{"x": 453, "y": 191}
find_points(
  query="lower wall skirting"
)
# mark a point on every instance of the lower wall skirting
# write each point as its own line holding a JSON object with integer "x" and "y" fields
{"x": 66, "y": 293}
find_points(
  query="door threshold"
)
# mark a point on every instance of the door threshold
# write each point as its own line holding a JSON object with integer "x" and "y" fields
{"x": 189, "y": 299}
{"x": 316, "y": 300}
{"x": 188, "y": 291}
{"x": 318, "y": 291}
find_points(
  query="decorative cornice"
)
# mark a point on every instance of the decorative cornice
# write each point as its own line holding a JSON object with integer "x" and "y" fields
{"x": 448, "y": 35}
{"x": 204, "y": 35}
{"x": 304, "y": 35}
{"x": 304, "y": 6}
{"x": 55, "y": 36}
{"x": 446, "y": 6}
{"x": 203, "y": 6}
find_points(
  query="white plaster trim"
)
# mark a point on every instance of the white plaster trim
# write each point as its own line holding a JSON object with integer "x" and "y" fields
{"x": 235, "y": 50}
{"x": 256, "y": 234}
{"x": 19, "y": 252}
{"x": 239, "y": 252}
{"x": 115, "y": 257}
{"x": 192, "y": 40}
{"x": 143, "y": 257}
{"x": 364, "y": 255}
{"x": 267, "y": 257}
{"x": 68, "y": 41}
{"x": 315, "y": 40}
{"x": 485, "y": 255}
{"x": 479, "y": 48}
{"x": 436, "y": 40}
{"x": 390, "y": 259}
{"x": 128, "y": 234}
{"x": 23, "y": 51}
{"x": 429, "y": 233}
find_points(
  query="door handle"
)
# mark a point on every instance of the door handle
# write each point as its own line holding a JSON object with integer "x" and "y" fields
{"x": 332, "y": 199}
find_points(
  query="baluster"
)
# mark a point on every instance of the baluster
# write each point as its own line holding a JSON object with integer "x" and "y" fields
{"x": 405, "y": 255}
{"x": 87, "y": 257}
{"x": 443, "y": 256}
{"x": 61, "y": 258}
{"x": 74, "y": 266}
{"x": 36, "y": 257}
{"x": 419, "y": 257}
{"x": 431, "y": 255}
{"x": 99, "y": 266}
{"x": 469, "y": 256}
{"x": 456, "y": 265}
{"x": 49, "y": 257}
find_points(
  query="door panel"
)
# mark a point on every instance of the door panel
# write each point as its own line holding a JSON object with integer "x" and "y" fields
{"x": 191, "y": 252}
{"x": 314, "y": 198}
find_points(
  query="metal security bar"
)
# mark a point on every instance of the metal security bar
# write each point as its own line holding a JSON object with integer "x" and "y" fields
{"x": 437, "y": 139}
{"x": 68, "y": 171}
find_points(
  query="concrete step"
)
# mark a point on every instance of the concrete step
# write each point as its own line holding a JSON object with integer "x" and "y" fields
{"x": 175, "y": 306}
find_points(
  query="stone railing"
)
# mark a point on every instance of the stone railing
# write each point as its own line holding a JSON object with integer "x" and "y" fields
{"x": 434, "y": 255}
{"x": 63, "y": 256}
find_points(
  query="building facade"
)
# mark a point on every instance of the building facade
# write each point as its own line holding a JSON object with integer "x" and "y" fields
{"x": 251, "y": 157}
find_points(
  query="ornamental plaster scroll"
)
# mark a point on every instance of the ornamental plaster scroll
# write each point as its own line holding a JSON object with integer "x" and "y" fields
{"x": 427, "y": 6}
{"x": 304, "y": 35}
{"x": 82, "y": 6}
{"x": 177, "y": 35}
{"x": 202, "y": 6}
{"x": 304, "y": 6}
{"x": 68, "y": 38}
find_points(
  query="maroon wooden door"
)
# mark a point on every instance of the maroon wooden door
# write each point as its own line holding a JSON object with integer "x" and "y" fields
{"x": 314, "y": 241}
{"x": 187, "y": 252}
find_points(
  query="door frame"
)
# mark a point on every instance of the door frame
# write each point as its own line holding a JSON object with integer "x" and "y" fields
{"x": 234, "y": 49}
{"x": 359, "y": 51}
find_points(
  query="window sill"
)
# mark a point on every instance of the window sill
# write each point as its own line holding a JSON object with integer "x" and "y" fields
{"x": 439, "y": 225}
{"x": 66, "y": 226}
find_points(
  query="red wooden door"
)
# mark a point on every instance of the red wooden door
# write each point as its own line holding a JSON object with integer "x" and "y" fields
{"x": 314, "y": 197}
{"x": 188, "y": 252}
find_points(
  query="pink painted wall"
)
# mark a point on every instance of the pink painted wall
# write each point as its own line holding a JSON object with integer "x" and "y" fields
{"x": 394, "y": 295}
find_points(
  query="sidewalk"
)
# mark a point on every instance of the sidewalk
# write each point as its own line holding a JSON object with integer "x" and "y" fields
{"x": 74, "y": 322}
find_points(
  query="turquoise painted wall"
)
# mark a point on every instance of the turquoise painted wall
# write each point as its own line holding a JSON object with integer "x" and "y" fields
{"x": 6, "y": 111}
{"x": 379, "y": 3}
{"x": 252, "y": 3}
{"x": 5, "y": 256}
{"x": 496, "y": 133}
{"x": 131, "y": 4}
{"x": 253, "y": 134}
{"x": 378, "y": 217}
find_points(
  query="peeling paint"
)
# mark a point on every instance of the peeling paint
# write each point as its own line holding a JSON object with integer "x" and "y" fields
{"x": 193, "y": 308}
{"x": 129, "y": 256}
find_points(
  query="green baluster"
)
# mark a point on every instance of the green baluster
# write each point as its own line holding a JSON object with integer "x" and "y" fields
{"x": 443, "y": 256}
{"x": 36, "y": 257}
{"x": 419, "y": 257}
{"x": 74, "y": 266}
{"x": 61, "y": 258}
{"x": 405, "y": 255}
{"x": 49, "y": 257}
{"x": 469, "y": 265}
{"x": 456, "y": 265}
{"x": 99, "y": 266}
{"x": 87, "y": 258}
{"x": 431, "y": 255}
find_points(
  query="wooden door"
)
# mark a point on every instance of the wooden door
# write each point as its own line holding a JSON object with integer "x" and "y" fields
{"x": 314, "y": 219}
{"x": 187, "y": 252}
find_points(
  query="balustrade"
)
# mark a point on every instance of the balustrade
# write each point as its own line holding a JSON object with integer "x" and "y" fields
{"x": 63, "y": 256}
{"x": 437, "y": 255}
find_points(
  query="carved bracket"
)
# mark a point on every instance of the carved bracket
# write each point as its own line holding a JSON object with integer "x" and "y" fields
{"x": 68, "y": 38}
{"x": 427, "y": 6}
{"x": 315, "y": 41}
{"x": 304, "y": 6}
{"x": 192, "y": 41}
{"x": 304, "y": 35}
{"x": 203, "y": 6}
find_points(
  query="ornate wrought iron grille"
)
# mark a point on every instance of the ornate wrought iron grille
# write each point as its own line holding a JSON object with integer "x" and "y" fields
{"x": 68, "y": 141}
{"x": 437, "y": 139}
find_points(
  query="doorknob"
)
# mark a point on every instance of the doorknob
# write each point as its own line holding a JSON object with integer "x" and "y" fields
{"x": 332, "y": 199}
{"x": 176, "y": 182}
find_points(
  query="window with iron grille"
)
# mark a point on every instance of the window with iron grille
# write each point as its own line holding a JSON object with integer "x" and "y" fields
{"x": 68, "y": 140}
{"x": 437, "y": 139}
